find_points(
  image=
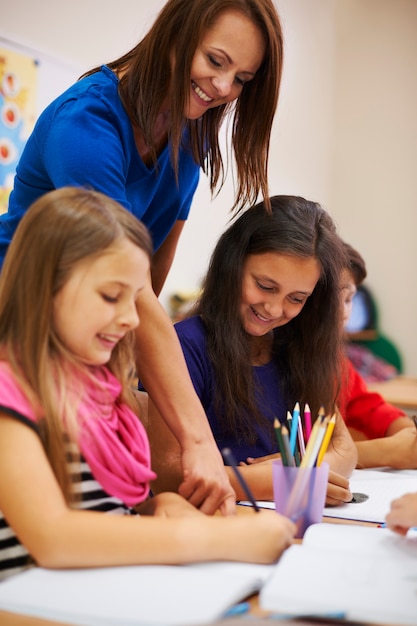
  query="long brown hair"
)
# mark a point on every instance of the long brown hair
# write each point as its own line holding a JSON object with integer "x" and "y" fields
{"x": 147, "y": 73}
{"x": 309, "y": 348}
{"x": 59, "y": 230}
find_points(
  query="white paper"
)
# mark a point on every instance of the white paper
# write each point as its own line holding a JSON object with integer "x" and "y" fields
{"x": 127, "y": 596}
{"x": 368, "y": 574}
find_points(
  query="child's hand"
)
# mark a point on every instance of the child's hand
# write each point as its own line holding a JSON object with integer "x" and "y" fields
{"x": 260, "y": 459}
{"x": 168, "y": 504}
{"x": 403, "y": 513}
{"x": 338, "y": 490}
{"x": 261, "y": 537}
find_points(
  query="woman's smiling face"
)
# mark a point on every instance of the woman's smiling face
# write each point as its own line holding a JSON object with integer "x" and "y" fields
{"x": 275, "y": 287}
{"x": 229, "y": 54}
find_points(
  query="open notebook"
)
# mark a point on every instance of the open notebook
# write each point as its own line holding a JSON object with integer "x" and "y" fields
{"x": 133, "y": 596}
{"x": 368, "y": 574}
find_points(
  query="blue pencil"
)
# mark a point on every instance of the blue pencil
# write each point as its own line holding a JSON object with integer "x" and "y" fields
{"x": 230, "y": 460}
{"x": 294, "y": 428}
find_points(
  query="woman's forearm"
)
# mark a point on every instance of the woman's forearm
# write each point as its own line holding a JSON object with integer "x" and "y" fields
{"x": 162, "y": 369}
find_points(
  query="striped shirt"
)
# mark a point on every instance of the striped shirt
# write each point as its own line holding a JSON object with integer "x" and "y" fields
{"x": 14, "y": 557}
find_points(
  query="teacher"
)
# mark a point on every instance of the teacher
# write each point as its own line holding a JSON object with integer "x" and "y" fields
{"x": 140, "y": 129}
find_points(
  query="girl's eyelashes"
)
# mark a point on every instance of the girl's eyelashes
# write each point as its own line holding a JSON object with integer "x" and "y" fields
{"x": 293, "y": 299}
{"x": 264, "y": 287}
{"x": 298, "y": 300}
{"x": 107, "y": 298}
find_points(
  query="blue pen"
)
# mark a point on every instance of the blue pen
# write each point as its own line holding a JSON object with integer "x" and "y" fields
{"x": 294, "y": 427}
{"x": 238, "y": 609}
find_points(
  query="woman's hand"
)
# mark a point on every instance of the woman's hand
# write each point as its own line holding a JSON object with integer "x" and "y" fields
{"x": 205, "y": 482}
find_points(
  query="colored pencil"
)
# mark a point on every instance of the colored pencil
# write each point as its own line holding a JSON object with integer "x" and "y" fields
{"x": 301, "y": 442}
{"x": 230, "y": 460}
{"x": 326, "y": 440}
{"x": 307, "y": 422}
{"x": 286, "y": 441}
{"x": 311, "y": 449}
{"x": 281, "y": 447}
{"x": 294, "y": 427}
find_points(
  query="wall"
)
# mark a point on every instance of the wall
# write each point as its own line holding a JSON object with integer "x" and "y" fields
{"x": 374, "y": 184}
{"x": 344, "y": 135}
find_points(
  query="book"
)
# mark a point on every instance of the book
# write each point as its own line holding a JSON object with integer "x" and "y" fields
{"x": 133, "y": 596}
{"x": 373, "y": 492}
{"x": 361, "y": 573}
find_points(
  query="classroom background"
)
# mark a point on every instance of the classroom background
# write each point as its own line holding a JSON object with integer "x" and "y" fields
{"x": 345, "y": 133}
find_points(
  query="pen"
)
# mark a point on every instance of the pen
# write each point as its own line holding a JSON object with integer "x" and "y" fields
{"x": 238, "y": 609}
{"x": 230, "y": 460}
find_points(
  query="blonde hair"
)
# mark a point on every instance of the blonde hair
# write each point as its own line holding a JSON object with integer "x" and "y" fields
{"x": 59, "y": 230}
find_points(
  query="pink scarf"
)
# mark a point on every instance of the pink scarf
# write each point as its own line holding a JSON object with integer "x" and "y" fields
{"x": 114, "y": 442}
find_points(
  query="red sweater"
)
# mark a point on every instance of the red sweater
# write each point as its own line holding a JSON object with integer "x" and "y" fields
{"x": 365, "y": 410}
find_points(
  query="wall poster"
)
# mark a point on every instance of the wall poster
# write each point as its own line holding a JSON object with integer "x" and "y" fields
{"x": 18, "y": 93}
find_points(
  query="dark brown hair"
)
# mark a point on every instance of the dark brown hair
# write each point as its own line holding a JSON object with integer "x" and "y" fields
{"x": 355, "y": 264}
{"x": 309, "y": 348}
{"x": 147, "y": 73}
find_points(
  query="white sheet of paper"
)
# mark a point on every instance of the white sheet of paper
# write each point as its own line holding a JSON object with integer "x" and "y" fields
{"x": 368, "y": 574}
{"x": 127, "y": 596}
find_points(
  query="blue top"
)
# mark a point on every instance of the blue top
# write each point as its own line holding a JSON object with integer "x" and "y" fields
{"x": 192, "y": 336}
{"x": 85, "y": 138}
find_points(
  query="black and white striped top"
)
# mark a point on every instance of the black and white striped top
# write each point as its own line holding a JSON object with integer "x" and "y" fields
{"x": 14, "y": 557}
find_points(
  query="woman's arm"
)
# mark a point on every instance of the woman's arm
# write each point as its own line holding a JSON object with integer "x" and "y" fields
{"x": 164, "y": 256}
{"x": 59, "y": 537}
{"x": 162, "y": 369}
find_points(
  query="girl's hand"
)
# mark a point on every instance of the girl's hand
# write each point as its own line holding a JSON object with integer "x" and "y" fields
{"x": 261, "y": 459}
{"x": 260, "y": 537}
{"x": 338, "y": 490}
{"x": 403, "y": 514}
{"x": 167, "y": 504}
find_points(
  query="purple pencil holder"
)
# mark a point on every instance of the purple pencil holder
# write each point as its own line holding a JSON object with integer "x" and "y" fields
{"x": 300, "y": 493}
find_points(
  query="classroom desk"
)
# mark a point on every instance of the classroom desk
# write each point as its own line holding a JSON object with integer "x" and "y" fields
{"x": 12, "y": 619}
{"x": 400, "y": 391}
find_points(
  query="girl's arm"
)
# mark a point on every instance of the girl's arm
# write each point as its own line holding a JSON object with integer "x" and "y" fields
{"x": 163, "y": 371}
{"x": 398, "y": 450}
{"x": 59, "y": 537}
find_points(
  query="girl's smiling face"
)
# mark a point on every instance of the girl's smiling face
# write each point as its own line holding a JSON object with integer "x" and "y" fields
{"x": 96, "y": 307}
{"x": 229, "y": 54}
{"x": 275, "y": 287}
